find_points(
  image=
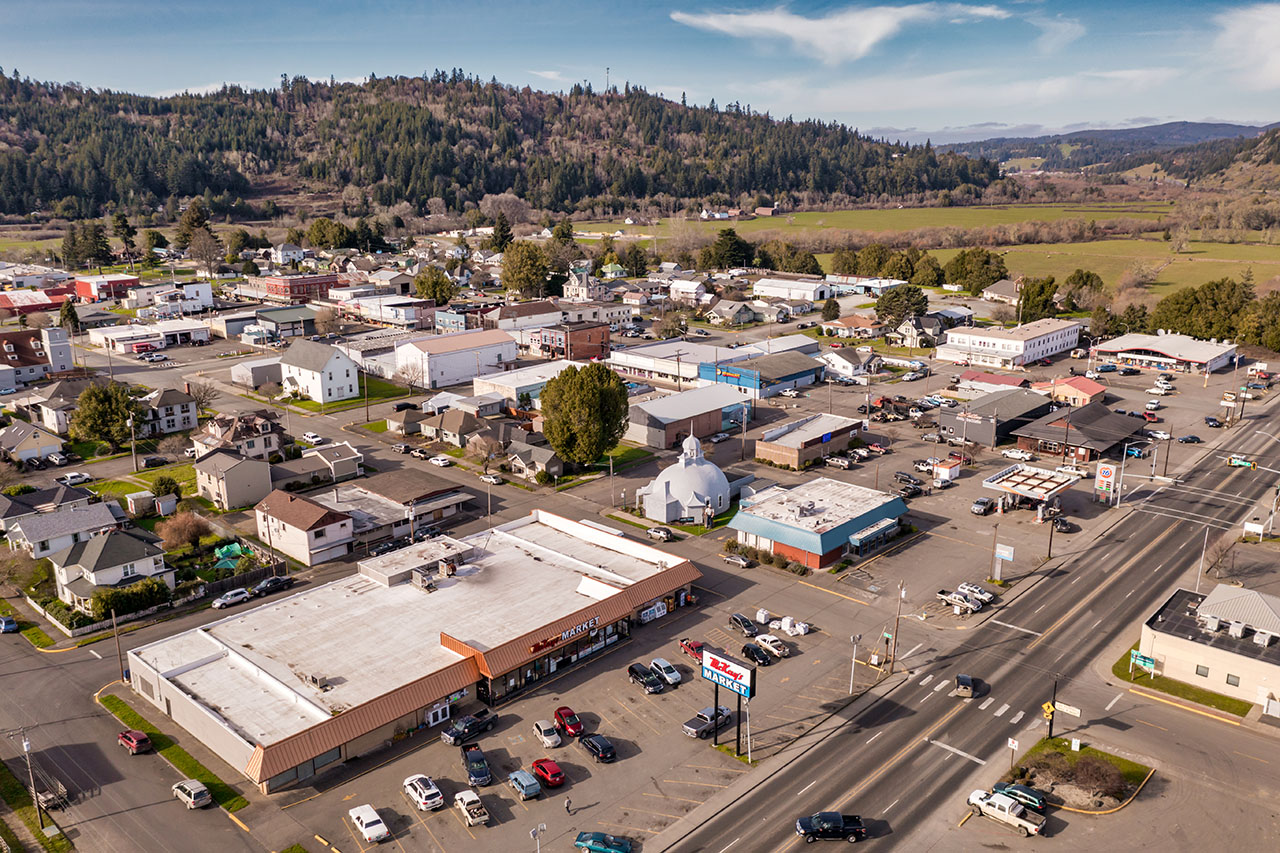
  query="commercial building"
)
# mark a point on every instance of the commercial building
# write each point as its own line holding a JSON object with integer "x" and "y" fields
{"x": 766, "y": 375}
{"x": 583, "y": 340}
{"x": 521, "y": 315}
{"x": 94, "y": 288}
{"x": 158, "y": 335}
{"x": 527, "y": 382}
{"x": 254, "y": 374}
{"x": 675, "y": 361}
{"x": 1225, "y": 641}
{"x": 666, "y": 421}
{"x": 977, "y": 382}
{"x": 1072, "y": 390}
{"x": 1086, "y": 433}
{"x": 801, "y": 442}
{"x": 445, "y": 360}
{"x": 1009, "y": 348}
{"x": 280, "y": 323}
{"x": 48, "y": 301}
{"x": 692, "y": 487}
{"x": 283, "y": 690}
{"x": 375, "y": 351}
{"x": 992, "y": 418}
{"x": 814, "y": 290}
{"x": 291, "y": 289}
{"x": 818, "y": 522}
{"x": 1181, "y": 353}
{"x": 863, "y": 285}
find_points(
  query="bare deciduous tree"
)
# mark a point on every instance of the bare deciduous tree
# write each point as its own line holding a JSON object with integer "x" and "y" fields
{"x": 39, "y": 320}
{"x": 203, "y": 393}
{"x": 409, "y": 375}
{"x": 185, "y": 528}
{"x": 173, "y": 445}
{"x": 485, "y": 449}
{"x": 328, "y": 322}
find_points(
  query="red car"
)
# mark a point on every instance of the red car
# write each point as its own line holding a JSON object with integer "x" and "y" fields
{"x": 548, "y": 773}
{"x": 878, "y": 448}
{"x": 1151, "y": 417}
{"x": 568, "y": 723}
{"x": 836, "y": 345}
{"x": 692, "y": 648}
{"x": 134, "y": 741}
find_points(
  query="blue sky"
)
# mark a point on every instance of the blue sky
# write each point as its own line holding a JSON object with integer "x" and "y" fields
{"x": 945, "y": 70}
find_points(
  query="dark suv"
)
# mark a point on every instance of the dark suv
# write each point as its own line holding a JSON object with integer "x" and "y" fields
{"x": 266, "y": 586}
{"x": 904, "y": 477}
{"x": 642, "y": 675}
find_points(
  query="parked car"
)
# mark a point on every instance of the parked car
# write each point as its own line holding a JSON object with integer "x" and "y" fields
{"x": 545, "y": 732}
{"x": 736, "y": 560}
{"x": 740, "y": 622}
{"x": 266, "y": 586}
{"x": 789, "y": 392}
{"x": 1072, "y": 470}
{"x": 547, "y": 772}
{"x": 154, "y": 462}
{"x": 707, "y": 721}
{"x": 404, "y": 406}
{"x": 492, "y": 479}
{"x": 1061, "y": 525}
{"x": 58, "y": 459}
{"x": 663, "y": 669}
{"x": 440, "y": 461}
{"x": 924, "y": 466}
{"x": 1018, "y": 453}
{"x": 773, "y": 645}
{"x": 1189, "y": 439}
{"x": 692, "y": 648}
{"x": 420, "y": 453}
{"x": 1029, "y": 797}
{"x": 904, "y": 477}
{"x": 1106, "y": 368}
{"x": 756, "y": 655}
{"x": 523, "y": 783}
{"x": 423, "y": 792}
{"x": 227, "y": 599}
{"x": 134, "y": 741}
{"x": 1128, "y": 371}
{"x": 662, "y": 534}
{"x": 932, "y": 438}
{"x": 600, "y": 748}
{"x": 638, "y": 673}
{"x": 475, "y": 765}
{"x": 909, "y": 491}
{"x": 568, "y": 722}
{"x": 982, "y": 506}
{"x": 8, "y": 625}
{"x": 75, "y": 478}
{"x": 1212, "y": 422}
{"x": 719, "y": 437}
{"x": 1160, "y": 435}
{"x": 838, "y": 462}
{"x": 312, "y": 438}
{"x": 192, "y": 793}
{"x": 468, "y": 726}
{"x": 400, "y": 448}
{"x": 1151, "y": 417}
{"x": 972, "y": 590}
{"x": 601, "y": 842}
{"x": 368, "y": 824}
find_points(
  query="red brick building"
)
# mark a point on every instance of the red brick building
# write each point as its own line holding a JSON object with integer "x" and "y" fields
{"x": 296, "y": 289}
{"x": 93, "y": 288}
{"x": 577, "y": 341}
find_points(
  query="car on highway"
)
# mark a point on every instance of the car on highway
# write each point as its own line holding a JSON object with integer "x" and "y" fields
{"x": 440, "y": 461}
{"x": 228, "y": 599}
{"x": 134, "y": 741}
{"x": 1189, "y": 439}
{"x": 1239, "y": 460}
{"x": 400, "y": 448}
{"x": 368, "y": 824}
{"x": 567, "y": 722}
{"x": 692, "y": 648}
{"x": 547, "y": 772}
{"x": 662, "y": 534}
{"x": 600, "y": 748}
{"x": 719, "y": 437}
{"x": 756, "y": 655}
{"x": 601, "y": 842}
{"x": 662, "y": 668}
{"x": 831, "y": 826}
{"x": 736, "y": 560}
{"x": 266, "y": 586}
{"x": 545, "y": 732}
{"x": 740, "y": 622}
{"x": 1018, "y": 453}
{"x": 638, "y": 673}
{"x": 982, "y": 506}
{"x": 75, "y": 478}
{"x": 312, "y": 438}
{"x": 492, "y": 479}
{"x": 423, "y": 792}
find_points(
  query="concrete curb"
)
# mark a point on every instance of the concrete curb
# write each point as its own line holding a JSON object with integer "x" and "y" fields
{"x": 1132, "y": 797}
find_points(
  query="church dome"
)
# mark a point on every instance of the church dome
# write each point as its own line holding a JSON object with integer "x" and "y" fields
{"x": 693, "y": 479}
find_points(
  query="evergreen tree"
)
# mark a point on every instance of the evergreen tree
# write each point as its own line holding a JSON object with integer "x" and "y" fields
{"x": 1035, "y": 299}
{"x": 68, "y": 318}
{"x": 900, "y": 303}
{"x": 844, "y": 262}
{"x": 636, "y": 261}
{"x": 830, "y": 310}
{"x": 193, "y": 219}
{"x": 928, "y": 272}
{"x": 585, "y": 412}
{"x": 434, "y": 283}
{"x": 102, "y": 413}
{"x": 125, "y": 232}
{"x": 524, "y": 269}
{"x": 71, "y": 256}
{"x": 501, "y": 237}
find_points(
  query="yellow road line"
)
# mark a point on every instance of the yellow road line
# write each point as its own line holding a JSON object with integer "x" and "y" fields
{"x": 668, "y": 797}
{"x": 1153, "y": 725}
{"x": 1147, "y": 695}
{"x": 462, "y": 823}
{"x": 983, "y": 546}
{"x": 726, "y": 769}
{"x": 699, "y": 784}
{"x": 967, "y": 815}
{"x": 238, "y": 822}
{"x": 626, "y": 826}
{"x": 1254, "y": 757}
{"x": 833, "y": 592}
{"x": 650, "y": 811}
{"x": 651, "y": 726}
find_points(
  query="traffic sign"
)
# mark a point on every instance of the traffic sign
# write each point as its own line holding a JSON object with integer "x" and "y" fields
{"x": 1047, "y": 707}
{"x": 1013, "y": 744}
{"x": 1069, "y": 710}
{"x": 888, "y": 636}
{"x": 1141, "y": 659}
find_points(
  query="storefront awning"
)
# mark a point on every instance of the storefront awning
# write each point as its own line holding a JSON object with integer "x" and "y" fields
{"x": 872, "y": 531}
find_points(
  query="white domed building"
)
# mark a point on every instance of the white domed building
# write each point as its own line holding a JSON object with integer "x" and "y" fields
{"x": 693, "y": 487}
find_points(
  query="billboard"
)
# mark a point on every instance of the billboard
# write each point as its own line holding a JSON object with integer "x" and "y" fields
{"x": 729, "y": 673}
{"x": 1106, "y": 479}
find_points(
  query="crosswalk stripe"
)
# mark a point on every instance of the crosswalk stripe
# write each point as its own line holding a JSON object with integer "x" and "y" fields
{"x": 1001, "y": 710}
{"x": 1018, "y": 716}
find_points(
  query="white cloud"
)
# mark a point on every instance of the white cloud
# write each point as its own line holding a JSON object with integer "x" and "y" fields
{"x": 840, "y": 36}
{"x": 1247, "y": 43}
{"x": 1056, "y": 33}
{"x": 206, "y": 89}
{"x": 549, "y": 75}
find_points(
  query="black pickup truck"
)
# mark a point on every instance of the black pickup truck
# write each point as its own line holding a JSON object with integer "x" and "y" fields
{"x": 476, "y": 765}
{"x": 831, "y": 826}
{"x": 467, "y": 727}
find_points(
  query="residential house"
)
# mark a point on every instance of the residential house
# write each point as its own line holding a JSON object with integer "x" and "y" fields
{"x": 1072, "y": 390}
{"x": 50, "y": 406}
{"x": 286, "y": 253}
{"x": 918, "y": 333}
{"x": 726, "y": 312}
{"x": 594, "y": 312}
{"x": 319, "y": 372}
{"x": 635, "y": 300}
{"x": 33, "y": 354}
{"x": 669, "y": 267}
{"x": 771, "y": 312}
{"x": 113, "y": 560}
{"x": 451, "y": 427}
{"x": 1004, "y": 290}
{"x": 307, "y": 531}
{"x": 232, "y": 481}
{"x": 609, "y": 272}
{"x": 420, "y": 495}
{"x": 20, "y": 441}
{"x": 342, "y": 460}
{"x": 583, "y": 287}
{"x": 44, "y": 533}
{"x": 398, "y": 281}
{"x": 862, "y": 326}
{"x": 528, "y": 460}
{"x": 408, "y": 422}
{"x": 253, "y": 434}
{"x": 688, "y": 292}
{"x": 16, "y": 507}
{"x": 850, "y": 363}
{"x": 169, "y": 410}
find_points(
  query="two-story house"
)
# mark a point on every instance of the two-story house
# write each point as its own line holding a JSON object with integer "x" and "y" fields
{"x": 115, "y": 559}
{"x": 303, "y": 529}
{"x": 583, "y": 287}
{"x": 319, "y": 372}
{"x": 30, "y": 355}
{"x": 20, "y": 442}
{"x": 14, "y": 508}
{"x": 169, "y": 410}
{"x": 287, "y": 253}
{"x": 230, "y": 480}
{"x": 48, "y": 532}
{"x": 253, "y": 434}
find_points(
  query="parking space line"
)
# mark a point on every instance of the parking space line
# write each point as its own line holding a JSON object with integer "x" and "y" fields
{"x": 668, "y": 797}
{"x": 832, "y": 689}
{"x": 833, "y": 592}
{"x": 427, "y": 827}
{"x": 625, "y": 826}
{"x": 648, "y": 811}
{"x": 776, "y": 717}
{"x": 726, "y": 769}
{"x": 699, "y": 784}
{"x": 462, "y": 823}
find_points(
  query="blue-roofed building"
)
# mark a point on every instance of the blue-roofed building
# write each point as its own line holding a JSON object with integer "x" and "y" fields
{"x": 819, "y": 522}
{"x": 765, "y": 375}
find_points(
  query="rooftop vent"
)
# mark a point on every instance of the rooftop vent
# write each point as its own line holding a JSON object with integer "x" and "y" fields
{"x": 1262, "y": 638}
{"x": 1236, "y": 630}
{"x": 318, "y": 681}
{"x": 1212, "y": 623}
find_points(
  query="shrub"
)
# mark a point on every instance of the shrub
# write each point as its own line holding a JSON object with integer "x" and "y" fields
{"x": 1055, "y": 764}
{"x": 731, "y": 546}
{"x": 542, "y": 478}
{"x": 130, "y": 599}
{"x": 796, "y": 568}
{"x": 779, "y": 561}
{"x": 60, "y": 611}
{"x": 275, "y": 458}
{"x": 1100, "y": 778}
{"x": 166, "y": 485}
{"x": 20, "y": 489}
{"x": 186, "y": 528}
{"x": 102, "y": 449}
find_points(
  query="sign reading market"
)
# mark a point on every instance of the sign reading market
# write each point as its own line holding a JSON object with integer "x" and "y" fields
{"x": 728, "y": 673}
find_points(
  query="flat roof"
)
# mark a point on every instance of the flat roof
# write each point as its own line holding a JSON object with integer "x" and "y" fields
{"x": 1025, "y": 332}
{"x": 1180, "y": 347}
{"x": 687, "y": 351}
{"x": 695, "y": 401}
{"x": 1030, "y": 481}
{"x": 367, "y": 639}
{"x": 531, "y": 375}
{"x": 1184, "y": 615}
{"x": 797, "y": 433}
{"x": 834, "y": 503}
{"x": 367, "y": 510}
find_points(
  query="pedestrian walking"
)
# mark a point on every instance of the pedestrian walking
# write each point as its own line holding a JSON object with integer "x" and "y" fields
{"x": 567, "y": 804}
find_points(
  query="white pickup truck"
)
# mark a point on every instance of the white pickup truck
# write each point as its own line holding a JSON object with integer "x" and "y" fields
{"x": 1006, "y": 810}
{"x": 959, "y": 599}
{"x": 473, "y": 811}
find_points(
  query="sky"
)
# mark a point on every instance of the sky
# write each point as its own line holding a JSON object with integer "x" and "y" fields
{"x": 946, "y": 71}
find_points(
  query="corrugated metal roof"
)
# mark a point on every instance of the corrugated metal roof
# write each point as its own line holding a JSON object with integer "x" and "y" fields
{"x": 1257, "y": 610}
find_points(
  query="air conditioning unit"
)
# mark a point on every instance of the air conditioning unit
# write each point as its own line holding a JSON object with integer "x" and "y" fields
{"x": 1212, "y": 623}
{"x": 318, "y": 681}
{"x": 1236, "y": 630}
{"x": 1262, "y": 638}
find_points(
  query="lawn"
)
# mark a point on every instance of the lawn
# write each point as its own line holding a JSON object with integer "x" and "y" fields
{"x": 185, "y": 474}
{"x": 1132, "y": 771}
{"x": 375, "y": 426}
{"x": 1181, "y": 689}
{"x": 379, "y": 391}
{"x": 623, "y": 456}
{"x": 182, "y": 760}
{"x": 14, "y": 792}
{"x": 113, "y": 489}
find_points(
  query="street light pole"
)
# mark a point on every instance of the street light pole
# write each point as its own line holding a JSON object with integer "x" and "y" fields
{"x": 893, "y": 652}
{"x": 1205, "y": 547}
{"x": 854, "y": 638}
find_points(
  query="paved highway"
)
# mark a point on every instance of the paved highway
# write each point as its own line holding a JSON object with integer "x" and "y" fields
{"x": 918, "y": 751}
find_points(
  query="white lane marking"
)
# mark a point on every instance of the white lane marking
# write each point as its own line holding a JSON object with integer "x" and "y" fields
{"x": 730, "y": 844}
{"x": 985, "y": 703}
{"x": 1013, "y": 721}
{"x": 1114, "y": 701}
{"x": 924, "y": 697}
{"x": 1129, "y": 593}
{"x": 1001, "y": 710}
{"x": 874, "y": 736}
{"x": 941, "y": 685}
{"x": 95, "y": 654}
{"x": 955, "y": 751}
{"x": 913, "y": 650}
{"x": 891, "y": 805}
{"x": 1038, "y": 609}
{"x": 926, "y": 679}
{"x": 1073, "y": 582}
{"x": 1016, "y": 628}
{"x": 1095, "y": 624}
{"x": 806, "y": 787}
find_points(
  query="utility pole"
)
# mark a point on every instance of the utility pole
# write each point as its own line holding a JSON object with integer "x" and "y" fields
{"x": 1049, "y": 554}
{"x": 366, "y": 396}
{"x": 1052, "y": 703}
{"x": 119, "y": 654}
{"x": 995, "y": 539}
{"x": 893, "y": 652}
{"x": 854, "y": 638}
{"x": 31, "y": 779}
{"x": 133, "y": 444}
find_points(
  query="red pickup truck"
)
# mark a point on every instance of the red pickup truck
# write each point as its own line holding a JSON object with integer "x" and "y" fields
{"x": 692, "y": 648}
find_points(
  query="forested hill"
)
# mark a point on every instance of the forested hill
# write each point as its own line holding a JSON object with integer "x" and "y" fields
{"x": 448, "y": 137}
{"x": 1239, "y": 163}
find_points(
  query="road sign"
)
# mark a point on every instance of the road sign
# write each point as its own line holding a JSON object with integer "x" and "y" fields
{"x": 888, "y": 636}
{"x": 1069, "y": 710}
{"x": 1013, "y": 744}
{"x": 1140, "y": 659}
{"x": 1047, "y": 707}
{"x": 1004, "y": 552}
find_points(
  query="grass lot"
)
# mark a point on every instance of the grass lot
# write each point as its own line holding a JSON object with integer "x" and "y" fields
{"x": 379, "y": 391}
{"x": 375, "y": 426}
{"x": 34, "y": 633}
{"x": 113, "y": 489}
{"x": 624, "y": 456}
{"x": 185, "y": 474}
{"x": 182, "y": 761}
{"x": 15, "y": 793}
{"x": 1132, "y": 771}
{"x": 1181, "y": 689}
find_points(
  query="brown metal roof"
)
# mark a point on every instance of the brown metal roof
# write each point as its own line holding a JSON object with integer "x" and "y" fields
{"x": 269, "y": 761}
{"x": 297, "y": 511}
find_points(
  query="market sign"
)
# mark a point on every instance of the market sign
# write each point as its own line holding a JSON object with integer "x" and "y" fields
{"x": 729, "y": 673}
{"x": 549, "y": 642}
{"x": 728, "y": 373}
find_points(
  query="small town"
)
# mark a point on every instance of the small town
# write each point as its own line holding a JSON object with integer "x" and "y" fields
{"x": 365, "y": 488}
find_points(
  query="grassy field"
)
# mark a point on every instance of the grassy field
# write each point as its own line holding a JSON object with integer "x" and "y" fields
{"x": 379, "y": 391}
{"x": 1190, "y": 692}
{"x": 900, "y": 219}
{"x": 184, "y": 474}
